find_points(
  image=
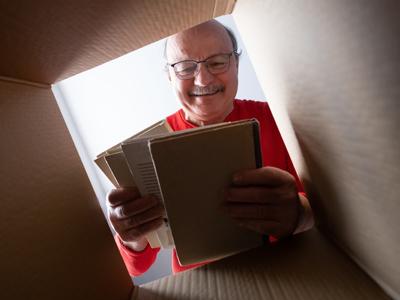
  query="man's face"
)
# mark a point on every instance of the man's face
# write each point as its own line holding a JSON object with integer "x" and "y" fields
{"x": 207, "y": 98}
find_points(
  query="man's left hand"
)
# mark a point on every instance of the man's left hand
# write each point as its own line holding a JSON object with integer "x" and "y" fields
{"x": 265, "y": 200}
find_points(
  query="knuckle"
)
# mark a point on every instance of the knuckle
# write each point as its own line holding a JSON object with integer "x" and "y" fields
{"x": 112, "y": 195}
{"x": 132, "y": 222}
{"x": 155, "y": 224}
{"x": 123, "y": 236}
{"x": 118, "y": 195}
{"x": 120, "y": 211}
{"x": 134, "y": 234}
{"x": 111, "y": 217}
{"x": 109, "y": 212}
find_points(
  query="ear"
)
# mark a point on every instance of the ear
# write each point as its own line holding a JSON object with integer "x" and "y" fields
{"x": 237, "y": 61}
{"x": 166, "y": 70}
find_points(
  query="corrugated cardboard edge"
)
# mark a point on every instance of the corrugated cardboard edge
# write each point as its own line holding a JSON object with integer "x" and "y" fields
{"x": 25, "y": 82}
{"x": 306, "y": 266}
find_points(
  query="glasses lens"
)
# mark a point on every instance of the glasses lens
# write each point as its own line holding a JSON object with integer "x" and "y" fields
{"x": 218, "y": 63}
{"x": 215, "y": 65}
{"x": 185, "y": 69}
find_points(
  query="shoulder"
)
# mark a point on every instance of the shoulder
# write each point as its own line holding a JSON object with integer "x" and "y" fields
{"x": 174, "y": 120}
{"x": 177, "y": 121}
{"x": 173, "y": 117}
{"x": 251, "y": 103}
{"x": 260, "y": 108}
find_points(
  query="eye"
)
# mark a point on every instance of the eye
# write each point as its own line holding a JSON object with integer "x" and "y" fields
{"x": 185, "y": 67}
{"x": 216, "y": 64}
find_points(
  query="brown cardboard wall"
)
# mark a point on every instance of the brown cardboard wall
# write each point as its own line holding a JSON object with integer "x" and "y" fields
{"x": 47, "y": 41}
{"x": 55, "y": 243}
{"x": 335, "y": 68}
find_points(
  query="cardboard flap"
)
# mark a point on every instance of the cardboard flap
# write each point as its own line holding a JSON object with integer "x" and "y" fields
{"x": 78, "y": 35}
{"x": 332, "y": 69}
{"x": 55, "y": 241}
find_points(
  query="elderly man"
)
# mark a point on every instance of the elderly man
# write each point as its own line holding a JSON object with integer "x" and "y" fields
{"x": 203, "y": 69}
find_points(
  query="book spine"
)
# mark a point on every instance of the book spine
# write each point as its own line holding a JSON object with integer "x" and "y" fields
{"x": 257, "y": 148}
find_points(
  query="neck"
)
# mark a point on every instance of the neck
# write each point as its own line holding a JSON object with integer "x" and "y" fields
{"x": 206, "y": 121}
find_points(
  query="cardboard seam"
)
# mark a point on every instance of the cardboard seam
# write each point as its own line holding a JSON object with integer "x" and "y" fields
{"x": 25, "y": 82}
{"x": 215, "y": 8}
{"x": 229, "y": 5}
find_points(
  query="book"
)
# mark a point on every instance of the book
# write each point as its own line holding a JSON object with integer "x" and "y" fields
{"x": 188, "y": 171}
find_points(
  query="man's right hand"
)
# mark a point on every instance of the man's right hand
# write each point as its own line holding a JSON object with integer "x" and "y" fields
{"x": 133, "y": 216}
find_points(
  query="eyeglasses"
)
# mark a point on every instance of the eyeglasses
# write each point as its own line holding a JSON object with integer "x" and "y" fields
{"x": 215, "y": 64}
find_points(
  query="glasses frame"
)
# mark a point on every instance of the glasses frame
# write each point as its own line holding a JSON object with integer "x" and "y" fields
{"x": 198, "y": 62}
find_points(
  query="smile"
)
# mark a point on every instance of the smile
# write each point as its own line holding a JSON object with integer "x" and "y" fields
{"x": 204, "y": 95}
{"x": 206, "y": 91}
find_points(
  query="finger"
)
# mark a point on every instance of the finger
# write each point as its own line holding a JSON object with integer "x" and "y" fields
{"x": 254, "y": 211}
{"x": 262, "y": 226}
{"x": 144, "y": 217}
{"x": 136, "y": 206}
{"x": 266, "y": 176}
{"x": 138, "y": 232}
{"x": 121, "y": 195}
{"x": 263, "y": 195}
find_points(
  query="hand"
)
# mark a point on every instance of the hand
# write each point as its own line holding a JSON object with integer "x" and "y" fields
{"x": 264, "y": 200}
{"x": 133, "y": 216}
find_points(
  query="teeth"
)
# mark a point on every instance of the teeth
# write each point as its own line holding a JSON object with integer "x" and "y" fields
{"x": 205, "y": 94}
{"x": 206, "y": 91}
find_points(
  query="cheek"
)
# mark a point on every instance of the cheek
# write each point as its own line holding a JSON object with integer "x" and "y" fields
{"x": 182, "y": 87}
{"x": 231, "y": 84}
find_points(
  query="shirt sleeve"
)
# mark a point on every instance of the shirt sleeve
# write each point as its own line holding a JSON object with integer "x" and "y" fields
{"x": 137, "y": 262}
{"x": 306, "y": 219}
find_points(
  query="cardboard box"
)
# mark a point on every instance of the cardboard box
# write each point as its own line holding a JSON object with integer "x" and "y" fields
{"x": 330, "y": 71}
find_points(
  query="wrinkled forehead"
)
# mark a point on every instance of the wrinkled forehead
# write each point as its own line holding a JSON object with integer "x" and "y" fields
{"x": 198, "y": 42}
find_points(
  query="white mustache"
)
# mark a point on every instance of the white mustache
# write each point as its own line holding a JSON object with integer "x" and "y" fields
{"x": 206, "y": 90}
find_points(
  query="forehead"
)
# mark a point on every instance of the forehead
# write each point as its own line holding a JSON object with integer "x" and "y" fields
{"x": 198, "y": 43}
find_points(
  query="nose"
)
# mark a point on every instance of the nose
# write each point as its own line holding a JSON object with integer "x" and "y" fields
{"x": 203, "y": 77}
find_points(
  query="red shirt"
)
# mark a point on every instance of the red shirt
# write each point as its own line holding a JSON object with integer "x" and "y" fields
{"x": 274, "y": 154}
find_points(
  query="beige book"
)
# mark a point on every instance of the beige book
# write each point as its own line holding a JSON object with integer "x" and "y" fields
{"x": 193, "y": 168}
{"x": 113, "y": 164}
